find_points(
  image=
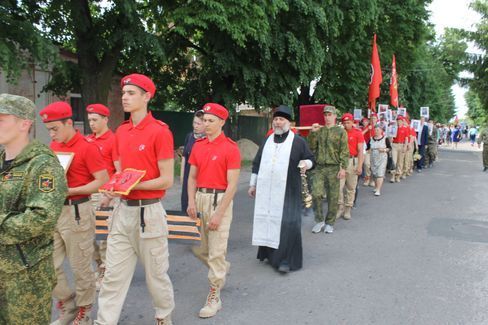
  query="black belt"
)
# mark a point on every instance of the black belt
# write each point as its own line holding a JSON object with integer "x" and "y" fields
{"x": 138, "y": 203}
{"x": 210, "y": 190}
{"x": 76, "y": 202}
{"x": 353, "y": 156}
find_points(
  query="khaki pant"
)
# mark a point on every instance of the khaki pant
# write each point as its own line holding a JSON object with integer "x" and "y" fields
{"x": 398, "y": 158}
{"x": 367, "y": 163}
{"x": 349, "y": 182}
{"x": 126, "y": 243}
{"x": 74, "y": 240}
{"x": 407, "y": 169}
{"x": 213, "y": 247}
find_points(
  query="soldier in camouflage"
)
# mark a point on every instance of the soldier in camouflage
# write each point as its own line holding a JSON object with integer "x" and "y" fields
{"x": 330, "y": 147}
{"x": 483, "y": 138}
{"x": 431, "y": 150}
{"x": 32, "y": 192}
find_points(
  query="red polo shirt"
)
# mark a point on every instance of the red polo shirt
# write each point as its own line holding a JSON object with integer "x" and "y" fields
{"x": 354, "y": 137}
{"x": 105, "y": 143}
{"x": 213, "y": 159}
{"x": 87, "y": 160}
{"x": 368, "y": 134}
{"x": 141, "y": 146}
{"x": 403, "y": 134}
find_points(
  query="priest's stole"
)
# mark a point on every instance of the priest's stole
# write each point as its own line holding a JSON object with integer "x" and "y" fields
{"x": 182, "y": 229}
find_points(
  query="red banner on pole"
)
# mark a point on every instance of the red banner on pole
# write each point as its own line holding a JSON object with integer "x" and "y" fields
{"x": 393, "y": 84}
{"x": 376, "y": 77}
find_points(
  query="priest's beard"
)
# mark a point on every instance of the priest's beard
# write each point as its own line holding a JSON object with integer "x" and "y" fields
{"x": 281, "y": 130}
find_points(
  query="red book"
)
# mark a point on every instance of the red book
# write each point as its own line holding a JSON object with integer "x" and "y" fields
{"x": 124, "y": 182}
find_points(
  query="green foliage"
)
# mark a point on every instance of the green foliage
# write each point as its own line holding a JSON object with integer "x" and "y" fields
{"x": 228, "y": 51}
{"x": 21, "y": 44}
{"x": 476, "y": 112}
{"x": 478, "y": 63}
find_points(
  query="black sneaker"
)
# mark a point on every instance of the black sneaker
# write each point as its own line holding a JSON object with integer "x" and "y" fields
{"x": 284, "y": 268}
{"x": 485, "y": 169}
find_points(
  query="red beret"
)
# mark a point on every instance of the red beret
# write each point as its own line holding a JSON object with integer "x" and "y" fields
{"x": 347, "y": 117}
{"x": 55, "y": 112}
{"x": 216, "y": 109}
{"x": 99, "y": 109}
{"x": 141, "y": 81}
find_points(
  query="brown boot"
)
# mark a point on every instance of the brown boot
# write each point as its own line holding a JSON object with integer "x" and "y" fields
{"x": 366, "y": 180}
{"x": 340, "y": 211}
{"x": 84, "y": 316}
{"x": 67, "y": 311}
{"x": 213, "y": 304}
{"x": 164, "y": 321}
{"x": 347, "y": 213}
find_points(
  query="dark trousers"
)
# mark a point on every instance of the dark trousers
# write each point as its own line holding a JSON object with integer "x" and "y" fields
{"x": 420, "y": 162}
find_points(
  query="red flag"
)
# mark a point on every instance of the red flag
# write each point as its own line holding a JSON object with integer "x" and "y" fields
{"x": 393, "y": 84}
{"x": 376, "y": 77}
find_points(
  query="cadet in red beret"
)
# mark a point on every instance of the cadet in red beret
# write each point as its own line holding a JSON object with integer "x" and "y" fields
{"x": 75, "y": 230}
{"x": 354, "y": 168}
{"x": 400, "y": 147}
{"x": 215, "y": 166}
{"x": 139, "y": 228}
{"x": 104, "y": 138}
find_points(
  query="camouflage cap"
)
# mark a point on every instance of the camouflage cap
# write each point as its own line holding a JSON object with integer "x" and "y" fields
{"x": 17, "y": 105}
{"x": 330, "y": 109}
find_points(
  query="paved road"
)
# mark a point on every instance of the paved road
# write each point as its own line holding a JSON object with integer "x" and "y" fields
{"x": 416, "y": 255}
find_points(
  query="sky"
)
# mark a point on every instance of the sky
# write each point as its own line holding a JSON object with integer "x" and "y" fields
{"x": 454, "y": 13}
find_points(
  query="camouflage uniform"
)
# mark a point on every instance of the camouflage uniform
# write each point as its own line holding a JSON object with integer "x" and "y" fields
{"x": 431, "y": 150}
{"x": 330, "y": 147}
{"x": 32, "y": 192}
{"x": 483, "y": 138}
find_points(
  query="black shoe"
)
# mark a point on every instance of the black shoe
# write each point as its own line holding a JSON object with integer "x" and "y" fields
{"x": 485, "y": 169}
{"x": 284, "y": 268}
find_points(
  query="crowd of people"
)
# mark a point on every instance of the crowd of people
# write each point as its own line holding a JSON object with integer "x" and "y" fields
{"x": 47, "y": 211}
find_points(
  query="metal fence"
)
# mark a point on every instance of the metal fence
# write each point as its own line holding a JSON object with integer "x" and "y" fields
{"x": 253, "y": 128}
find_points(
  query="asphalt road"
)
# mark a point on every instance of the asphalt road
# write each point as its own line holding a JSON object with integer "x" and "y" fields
{"x": 416, "y": 255}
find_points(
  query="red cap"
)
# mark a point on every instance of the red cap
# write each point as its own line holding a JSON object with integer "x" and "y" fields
{"x": 347, "y": 117}
{"x": 99, "y": 109}
{"x": 55, "y": 112}
{"x": 141, "y": 81}
{"x": 365, "y": 119}
{"x": 374, "y": 114}
{"x": 216, "y": 109}
{"x": 400, "y": 117}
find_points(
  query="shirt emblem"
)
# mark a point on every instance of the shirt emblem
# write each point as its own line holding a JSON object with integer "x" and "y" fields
{"x": 142, "y": 147}
{"x": 46, "y": 183}
{"x": 214, "y": 157}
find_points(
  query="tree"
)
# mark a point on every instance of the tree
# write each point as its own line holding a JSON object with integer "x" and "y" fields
{"x": 478, "y": 64}
{"x": 475, "y": 110}
{"x": 21, "y": 44}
